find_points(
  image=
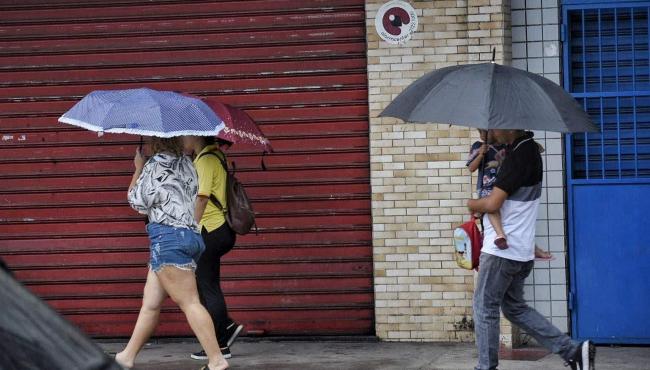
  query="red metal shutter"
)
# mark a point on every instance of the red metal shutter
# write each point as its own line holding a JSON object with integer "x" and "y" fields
{"x": 298, "y": 67}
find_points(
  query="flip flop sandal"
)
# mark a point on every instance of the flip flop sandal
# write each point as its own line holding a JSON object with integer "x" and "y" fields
{"x": 501, "y": 242}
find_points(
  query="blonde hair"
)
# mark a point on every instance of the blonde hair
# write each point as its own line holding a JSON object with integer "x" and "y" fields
{"x": 171, "y": 145}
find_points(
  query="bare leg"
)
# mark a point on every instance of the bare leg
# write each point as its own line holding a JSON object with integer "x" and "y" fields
{"x": 154, "y": 294}
{"x": 181, "y": 287}
{"x": 495, "y": 220}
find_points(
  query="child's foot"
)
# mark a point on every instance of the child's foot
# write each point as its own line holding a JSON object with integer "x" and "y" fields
{"x": 543, "y": 255}
{"x": 501, "y": 242}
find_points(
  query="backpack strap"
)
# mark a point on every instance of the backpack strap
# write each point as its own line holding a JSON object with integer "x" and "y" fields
{"x": 223, "y": 162}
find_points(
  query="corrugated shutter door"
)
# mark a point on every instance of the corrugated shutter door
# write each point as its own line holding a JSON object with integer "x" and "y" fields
{"x": 299, "y": 68}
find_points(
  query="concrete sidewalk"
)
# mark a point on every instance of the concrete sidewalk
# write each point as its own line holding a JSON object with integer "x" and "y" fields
{"x": 355, "y": 355}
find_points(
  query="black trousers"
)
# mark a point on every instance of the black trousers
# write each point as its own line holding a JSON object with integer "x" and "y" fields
{"x": 208, "y": 277}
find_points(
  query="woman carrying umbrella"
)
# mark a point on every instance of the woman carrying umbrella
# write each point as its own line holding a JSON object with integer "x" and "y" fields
{"x": 164, "y": 188}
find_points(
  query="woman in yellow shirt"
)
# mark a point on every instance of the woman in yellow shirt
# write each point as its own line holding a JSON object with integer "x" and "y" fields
{"x": 210, "y": 209}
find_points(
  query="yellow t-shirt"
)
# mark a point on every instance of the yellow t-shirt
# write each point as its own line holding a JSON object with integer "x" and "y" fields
{"x": 212, "y": 180}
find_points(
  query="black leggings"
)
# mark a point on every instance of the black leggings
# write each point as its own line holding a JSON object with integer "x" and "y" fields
{"x": 208, "y": 277}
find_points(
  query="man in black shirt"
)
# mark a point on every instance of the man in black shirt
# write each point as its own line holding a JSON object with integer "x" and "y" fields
{"x": 502, "y": 272}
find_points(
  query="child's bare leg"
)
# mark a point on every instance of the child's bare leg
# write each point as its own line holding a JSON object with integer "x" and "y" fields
{"x": 495, "y": 220}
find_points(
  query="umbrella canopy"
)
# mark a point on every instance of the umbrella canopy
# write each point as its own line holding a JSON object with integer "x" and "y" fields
{"x": 144, "y": 112}
{"x": 239, "y": 126}
{"x": 33, "y": 336}
{"x": 490, "y": 96}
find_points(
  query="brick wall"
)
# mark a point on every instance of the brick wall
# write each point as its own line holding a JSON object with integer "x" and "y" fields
{"x": 419, "y": 181}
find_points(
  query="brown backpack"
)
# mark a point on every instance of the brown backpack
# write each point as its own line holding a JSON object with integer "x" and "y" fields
{"x": 238, "y": 211}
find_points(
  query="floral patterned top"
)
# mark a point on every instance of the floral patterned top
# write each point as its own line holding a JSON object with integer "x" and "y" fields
{"x": 166, "y": 191}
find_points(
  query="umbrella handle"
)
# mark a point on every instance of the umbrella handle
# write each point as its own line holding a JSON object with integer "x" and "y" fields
{"x": 494, "y": 54}
{"x": 263, "y": 164}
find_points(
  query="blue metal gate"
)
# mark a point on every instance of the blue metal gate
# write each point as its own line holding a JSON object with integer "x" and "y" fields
{"x": 606, "y": 67}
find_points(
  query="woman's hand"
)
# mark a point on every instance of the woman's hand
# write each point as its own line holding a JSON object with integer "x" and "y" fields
{"x": 139, "y": 159}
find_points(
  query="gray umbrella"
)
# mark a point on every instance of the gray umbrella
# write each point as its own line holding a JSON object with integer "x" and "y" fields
{"x": 34, "y": 337}
{"x": 490, "y": 96}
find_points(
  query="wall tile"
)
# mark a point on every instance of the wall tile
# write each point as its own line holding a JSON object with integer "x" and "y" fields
{"x": 558, "y": 292}
{"x": 533, "y": 4}
{"x": 533, "y": 33}
{"x": 551, "y": 49}
{"x": 551, "y": 65}
{"x": 518, "y": 34}
{"x": 559, "y": 309}
{"x": 558, "y": 276}
{"x": 535, "y": 65}
{"x": 557, "y": 244}
{"x": 535, "y": 50}
{"x": 551, "y": 32}
{"x": 556, "y": 213}
{"x": 544, "y": 307}
{"x": 533, "y": 16}
{"x": 550, "y": 16}
{"x": 554, "y": 178}
{"x": 542, "y": 276}
{"x": 550, "y": 3}
{"x": 542, "y": 292}
{"x": 519, "y": 50}
{"x": 518, "y": 4}
{"x": 518, "y": 18}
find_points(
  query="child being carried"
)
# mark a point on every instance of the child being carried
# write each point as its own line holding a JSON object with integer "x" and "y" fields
{"x": 486, "y": 157}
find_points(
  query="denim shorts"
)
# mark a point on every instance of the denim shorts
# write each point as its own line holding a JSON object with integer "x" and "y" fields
{"x": 174, "y": 246}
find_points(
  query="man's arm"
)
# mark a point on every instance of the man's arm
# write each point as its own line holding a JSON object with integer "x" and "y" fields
{"x": 199, "y": 208}
{"x": 489, "y": 204}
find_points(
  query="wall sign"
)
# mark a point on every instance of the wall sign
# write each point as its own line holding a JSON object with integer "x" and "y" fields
{"x": 396, "y": 21}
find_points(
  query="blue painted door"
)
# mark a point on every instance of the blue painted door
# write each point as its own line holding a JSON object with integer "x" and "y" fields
{"x": 606, "y": 67}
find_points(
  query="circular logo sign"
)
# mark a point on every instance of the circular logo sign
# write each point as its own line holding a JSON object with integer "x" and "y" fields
{"x": 396, "y": 21}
